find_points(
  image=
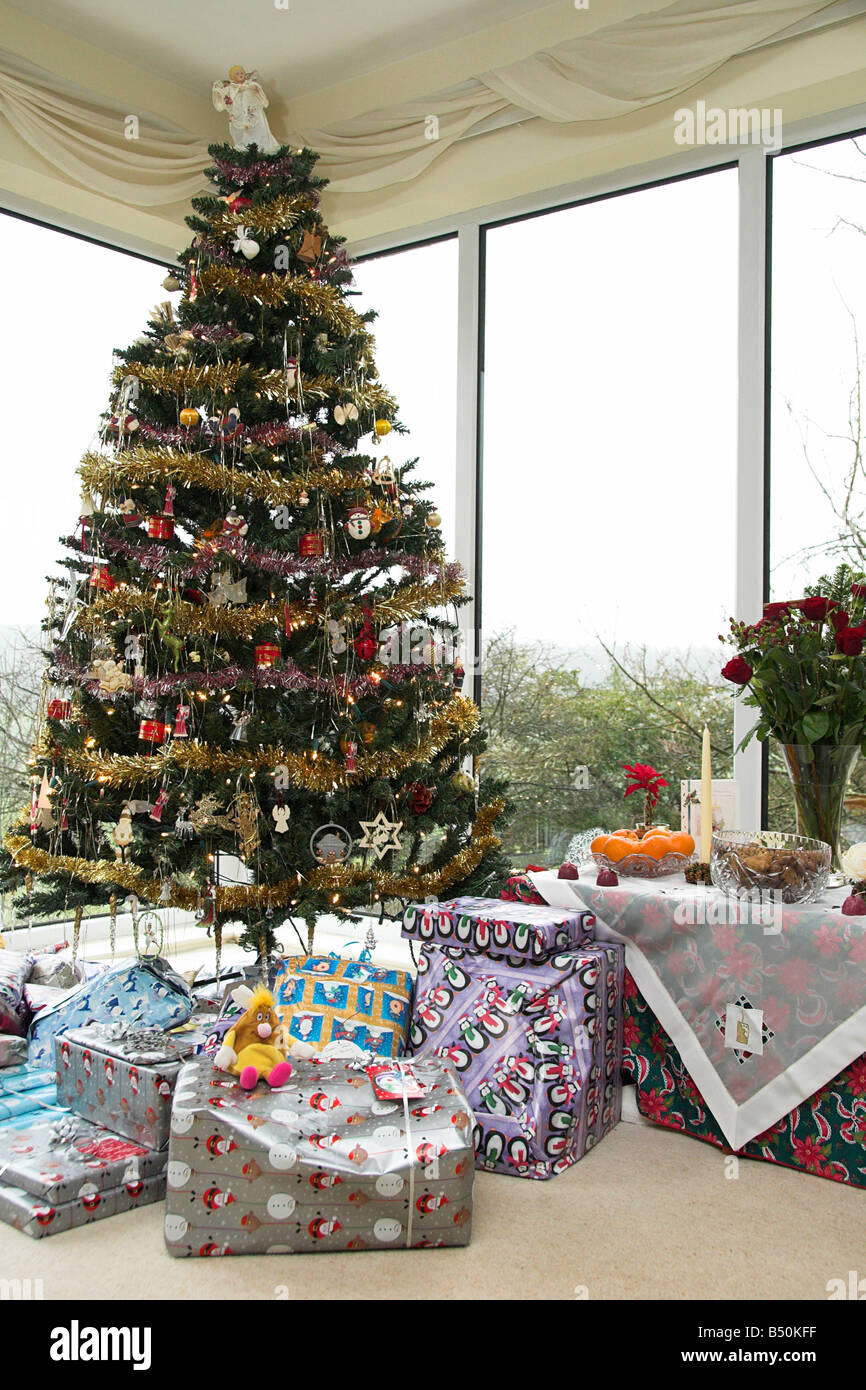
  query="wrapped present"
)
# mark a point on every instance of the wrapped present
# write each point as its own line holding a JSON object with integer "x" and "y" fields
{"x": 25, "y": 1077}
{"x": 322, "y": 999}
{"x": 203, "y": 1033}
{"x": 519, "y": 888}
{"x": 146, "y": 992}
{"x": 13, "y": 1050}
{"x": 37, "y": 1218}
{"x": 333, "y": 1160}
{"x": 14, "y": 973}
{"x": 55, "y": 1159}
{"x": 27, "y": 1094}
{"x": 537, "y": 1048}
{"x": 496, "y": 928}
{"x": 122, "y": 1076}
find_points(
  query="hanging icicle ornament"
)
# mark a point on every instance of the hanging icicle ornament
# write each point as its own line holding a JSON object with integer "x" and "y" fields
{"x": 112, "y": 923}
{"x": 76, "y": 934}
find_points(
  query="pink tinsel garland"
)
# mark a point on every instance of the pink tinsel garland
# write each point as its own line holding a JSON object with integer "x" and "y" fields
{"x": 287, "y": 677}
{"x": 152, "y": 559}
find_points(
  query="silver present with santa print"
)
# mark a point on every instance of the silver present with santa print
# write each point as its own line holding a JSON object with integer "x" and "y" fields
{"x": 122, "y": 1076}
{"x": 341, "y": 1157}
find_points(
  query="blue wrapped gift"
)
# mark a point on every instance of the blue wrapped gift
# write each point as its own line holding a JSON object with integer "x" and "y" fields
{"x": 146, "y": 992}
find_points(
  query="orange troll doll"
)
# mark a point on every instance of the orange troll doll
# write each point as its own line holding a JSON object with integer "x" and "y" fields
{"x": 254, "y": 1047}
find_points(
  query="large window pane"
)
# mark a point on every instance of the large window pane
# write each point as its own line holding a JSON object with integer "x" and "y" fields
{"x": 608, "y": 498}
{"x": 817, "y": 479}
{"x": 414, "y": 292}
{"x": 76, "y": 303}
{"x": 67, "y": 304}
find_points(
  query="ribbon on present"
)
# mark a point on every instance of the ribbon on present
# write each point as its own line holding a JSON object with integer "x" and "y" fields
{"x": 64, "y": 1131}
{"x": 146, "y": 1044}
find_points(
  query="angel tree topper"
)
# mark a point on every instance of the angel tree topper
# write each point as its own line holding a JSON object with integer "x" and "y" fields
{"x": 244, "y": 100}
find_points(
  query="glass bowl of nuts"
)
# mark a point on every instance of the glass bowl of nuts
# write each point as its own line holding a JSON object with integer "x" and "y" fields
{"x": 749, "y": 863}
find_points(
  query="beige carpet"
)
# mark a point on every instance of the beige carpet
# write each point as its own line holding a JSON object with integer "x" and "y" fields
{"x": 648, "y": 1214}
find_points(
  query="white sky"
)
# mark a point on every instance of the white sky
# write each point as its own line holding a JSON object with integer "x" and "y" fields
{"x": 71, "y": 303}
{"x": 610, "y": 393}
{"x": 819, "y": 294}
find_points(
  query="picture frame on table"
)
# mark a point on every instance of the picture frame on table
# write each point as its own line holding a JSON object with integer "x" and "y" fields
{"x": 726, "y": 805}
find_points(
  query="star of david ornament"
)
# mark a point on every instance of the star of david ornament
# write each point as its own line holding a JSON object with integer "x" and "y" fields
{"x": 381, "y": 835}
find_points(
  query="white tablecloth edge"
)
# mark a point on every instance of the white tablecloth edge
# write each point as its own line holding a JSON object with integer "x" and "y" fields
{"x": 738, "y": 1123}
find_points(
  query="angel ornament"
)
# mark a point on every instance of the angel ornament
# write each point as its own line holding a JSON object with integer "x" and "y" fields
{"x": 244, "y": 101}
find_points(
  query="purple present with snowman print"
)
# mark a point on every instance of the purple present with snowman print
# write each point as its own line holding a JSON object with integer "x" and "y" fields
{"x": 537, "y": 1049}
{"x": 524, "y": 931}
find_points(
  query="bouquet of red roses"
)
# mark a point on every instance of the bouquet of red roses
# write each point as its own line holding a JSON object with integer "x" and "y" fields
{"x": 802, "y": 664}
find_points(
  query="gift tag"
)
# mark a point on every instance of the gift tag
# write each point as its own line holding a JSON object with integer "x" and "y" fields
{"x": 390, "y": 1078}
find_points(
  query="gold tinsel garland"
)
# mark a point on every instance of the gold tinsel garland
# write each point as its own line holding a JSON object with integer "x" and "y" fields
{"x": 278, "y": 216}
{"x": 100, "y": 472}
{"x": 192, "y": 619}
{"x": 191, "y": 380}
{"x": 273, "y": 289}
{"x": 311, "y": 772}
{"x": 261, "y": 896}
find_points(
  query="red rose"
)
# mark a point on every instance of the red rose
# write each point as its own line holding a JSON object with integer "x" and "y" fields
{"x": 839, "y": 619}
{"x": 817, "y": 608}
{"x": 738, "y": 671}
{"x": 776, "y": 610}
{"x": 849, "y": 640}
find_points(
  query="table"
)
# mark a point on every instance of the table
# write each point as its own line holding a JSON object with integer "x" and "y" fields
{"x": 764, "y": 1008}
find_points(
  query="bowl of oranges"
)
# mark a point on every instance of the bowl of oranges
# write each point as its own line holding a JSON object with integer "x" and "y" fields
{"x": 649, "y": 851}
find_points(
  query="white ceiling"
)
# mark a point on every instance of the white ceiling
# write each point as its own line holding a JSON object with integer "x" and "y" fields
{"x": 308, "y": 45}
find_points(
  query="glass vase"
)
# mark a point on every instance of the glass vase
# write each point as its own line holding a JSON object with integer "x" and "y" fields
{"x": 819, "y": 774}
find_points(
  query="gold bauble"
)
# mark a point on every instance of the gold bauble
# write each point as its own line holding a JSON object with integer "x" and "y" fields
{"x": 189, "y": 418}
{"x": 382, "y": 427}
{"x": 434, "y": 519}
{"x": 463, "y": 782}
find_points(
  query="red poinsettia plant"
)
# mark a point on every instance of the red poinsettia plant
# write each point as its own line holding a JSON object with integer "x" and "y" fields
{"x": 802, "y": 665}
{"x": 640, "y": 777}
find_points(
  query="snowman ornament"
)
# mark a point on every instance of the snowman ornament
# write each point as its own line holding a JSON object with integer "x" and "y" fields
{"x": 358, "y": 523}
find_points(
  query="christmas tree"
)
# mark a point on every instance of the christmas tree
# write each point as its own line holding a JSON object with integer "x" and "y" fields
{"x": 253, "y": 652}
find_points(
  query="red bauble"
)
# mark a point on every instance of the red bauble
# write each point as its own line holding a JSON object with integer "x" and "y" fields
{"x": 366, "y": 645}
{"x": 419, "y": 798}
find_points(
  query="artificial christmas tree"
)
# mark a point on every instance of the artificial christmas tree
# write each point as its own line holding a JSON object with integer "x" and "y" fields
{"x": 231, "y": 665}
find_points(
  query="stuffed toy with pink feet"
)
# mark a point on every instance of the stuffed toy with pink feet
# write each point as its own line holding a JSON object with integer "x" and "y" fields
{"x": 255, "y": 1047}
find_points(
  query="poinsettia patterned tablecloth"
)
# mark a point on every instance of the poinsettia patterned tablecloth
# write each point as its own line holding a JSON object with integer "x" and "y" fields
{"x": 796, "y": 985}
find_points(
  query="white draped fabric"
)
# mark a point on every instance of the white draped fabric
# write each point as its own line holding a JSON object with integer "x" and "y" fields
{"x": 608, "y": 73}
